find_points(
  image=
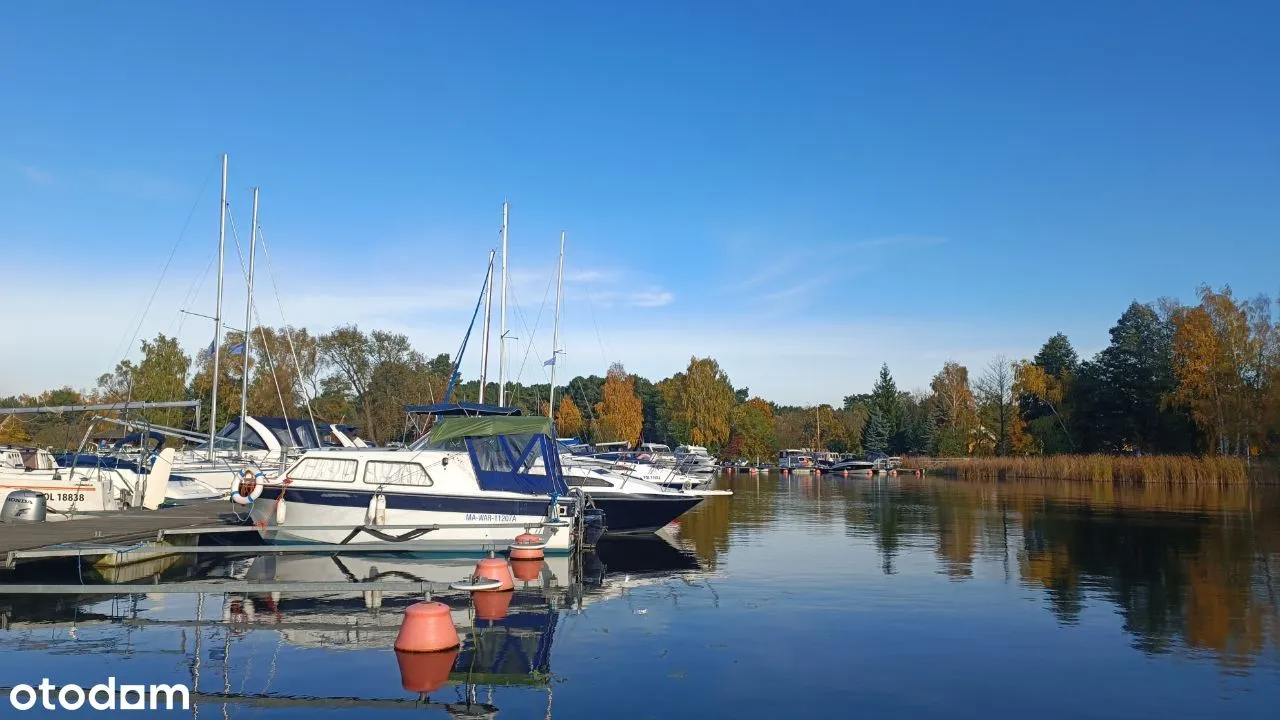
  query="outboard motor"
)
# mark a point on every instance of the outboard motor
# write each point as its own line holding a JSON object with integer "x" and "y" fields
{"x": 24, "y": 506}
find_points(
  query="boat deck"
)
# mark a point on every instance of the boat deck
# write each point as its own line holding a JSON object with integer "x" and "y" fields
{"x": 114, "y": 528}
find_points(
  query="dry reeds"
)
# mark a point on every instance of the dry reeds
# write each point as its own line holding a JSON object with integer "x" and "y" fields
{"x": 1168, "y": 469}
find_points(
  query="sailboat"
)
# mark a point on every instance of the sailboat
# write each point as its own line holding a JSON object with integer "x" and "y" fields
{"x": 630, "y": 502}
{"x": 245, "y": 446}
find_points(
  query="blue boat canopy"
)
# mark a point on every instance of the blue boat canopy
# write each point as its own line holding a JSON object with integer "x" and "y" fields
{"x": 509, "y": 454}
{"x": 460, "y": 408}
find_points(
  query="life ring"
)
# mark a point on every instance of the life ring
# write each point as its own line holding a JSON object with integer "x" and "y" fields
{"x": 249, "y": 487}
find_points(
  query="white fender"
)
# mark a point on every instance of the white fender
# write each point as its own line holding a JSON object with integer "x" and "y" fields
{"x": 280, "y": 511}
{"x": 376, "y": 513}
{"x": 252, "y": 479}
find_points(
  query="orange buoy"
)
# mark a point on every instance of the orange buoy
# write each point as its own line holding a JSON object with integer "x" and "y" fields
{"x": 425, "y": 672}
{"x": 870, "y": 473}
{"x": 919, "y": 473}
{"x": 526, "y": 547}
{"x": 496, "y": 569}
{"x": 893, "y": 473}
{"x": 844, "y": 473}
{"x": 426, "y": 627}
{"x": 526, "y": 570}
{"x": 492, "y": 605}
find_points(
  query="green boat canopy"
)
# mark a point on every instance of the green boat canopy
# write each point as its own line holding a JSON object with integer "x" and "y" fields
{"x": 450, "y": 428}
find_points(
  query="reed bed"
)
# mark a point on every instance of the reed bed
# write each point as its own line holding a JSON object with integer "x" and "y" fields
{"x": 1167, "y": 469}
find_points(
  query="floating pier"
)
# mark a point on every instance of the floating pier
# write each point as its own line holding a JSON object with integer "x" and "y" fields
{"x": 108, "y": 533}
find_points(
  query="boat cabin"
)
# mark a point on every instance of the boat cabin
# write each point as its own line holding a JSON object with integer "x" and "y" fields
{"x": 26, "y": 459}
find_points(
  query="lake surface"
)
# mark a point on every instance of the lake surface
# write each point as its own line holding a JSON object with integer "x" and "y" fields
{"x": 799, "y": 597}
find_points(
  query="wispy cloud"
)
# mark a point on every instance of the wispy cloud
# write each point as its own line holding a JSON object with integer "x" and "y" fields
{"x": 38, "y": 176}
{"x": 133, "y": 183}
{"x": 651, "y": 298}
{"x": 900, "y": 241}
{"x": 589, "y": 276}
{"x": 793, "y": 290}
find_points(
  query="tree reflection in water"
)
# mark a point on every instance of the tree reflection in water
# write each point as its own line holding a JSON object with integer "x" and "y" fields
{"x": 1189, "y": 568}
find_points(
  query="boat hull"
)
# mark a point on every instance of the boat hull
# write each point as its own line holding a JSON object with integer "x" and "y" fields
{"x": 471, "y": 524}
{"x": 632, "y": 514}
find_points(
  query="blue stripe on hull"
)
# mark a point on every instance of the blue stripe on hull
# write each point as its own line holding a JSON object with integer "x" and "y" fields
{"x": 402, "y": 501}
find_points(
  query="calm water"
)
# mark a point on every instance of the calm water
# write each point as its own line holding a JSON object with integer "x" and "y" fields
{"x": 843, "y": 598}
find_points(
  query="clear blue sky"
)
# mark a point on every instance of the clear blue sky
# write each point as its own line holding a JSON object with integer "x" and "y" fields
{"x": 801, "y": 189}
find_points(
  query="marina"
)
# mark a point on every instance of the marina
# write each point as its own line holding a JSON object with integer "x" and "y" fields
{"x": 283, "y": 633}
{"x": 655, "y": 361}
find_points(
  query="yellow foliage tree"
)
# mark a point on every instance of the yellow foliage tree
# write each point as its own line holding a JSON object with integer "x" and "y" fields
{"x": 13, "y": 432}
{"x": 568, "y": 418}
{"x": 620, "y": 414}
{"x": 700, "y": 401}
{"x": 1224, "y": 355}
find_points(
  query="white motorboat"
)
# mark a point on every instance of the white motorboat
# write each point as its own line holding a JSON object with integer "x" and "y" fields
{"x": 630, "y": 503}
{"x": 96, "y": 484}
{"x": 796, "y": 462}
{"x": 472, "y": 484}
{"x": 695, "y": 459}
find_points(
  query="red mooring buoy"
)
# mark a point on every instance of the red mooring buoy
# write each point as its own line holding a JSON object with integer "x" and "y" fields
{"x": 425, "y": 672}
{"x": 526, "y": 547}
{"x": 526, "y": 570}
{"x": 426, "y": 627}
{"x": 492, "y": 605}
{"x": 496, "y": 569}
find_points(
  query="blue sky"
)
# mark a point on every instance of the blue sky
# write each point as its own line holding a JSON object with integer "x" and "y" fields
{"x": 803, "y": 190}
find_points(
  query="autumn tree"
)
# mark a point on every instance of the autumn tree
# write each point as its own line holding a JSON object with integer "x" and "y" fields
{"x": 700, "y": 401}
{"x": 382, "y": 372}
{"x": 998, "y": 407}
{"x": 282, "y": 371}
{"x": 955, "y": 410}
{"x": 1044, "y": 385}
{"x": 619, "y": 415}
{"x": 752, "y": 430}
{"x": 1224, "y": 353}
{"x": 13, "y": 431}
{"x": 568, "y": 418}
{"x": 824, "y": 431}
{"x": 201, "y": 386}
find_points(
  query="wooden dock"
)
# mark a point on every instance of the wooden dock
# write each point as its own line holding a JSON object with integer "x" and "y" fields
{"x": 117, "y": 528}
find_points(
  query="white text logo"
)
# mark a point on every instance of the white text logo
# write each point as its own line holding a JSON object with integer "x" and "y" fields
{"x": 103, "y": 696}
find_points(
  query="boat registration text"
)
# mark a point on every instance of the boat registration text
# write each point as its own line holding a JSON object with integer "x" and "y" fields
{"x": 487, "y": 517}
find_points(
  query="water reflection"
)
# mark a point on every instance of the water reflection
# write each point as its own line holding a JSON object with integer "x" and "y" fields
{"x": 1187, "y": 567}
{"x": 905, "y": 591}
{"x": 228, "y": 641}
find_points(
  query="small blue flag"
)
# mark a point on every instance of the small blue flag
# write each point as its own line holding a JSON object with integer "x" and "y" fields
{"x": 237, "y": 349}
{"x": 552, "y": 361}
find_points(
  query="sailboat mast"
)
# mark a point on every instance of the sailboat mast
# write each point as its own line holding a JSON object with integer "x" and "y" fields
{"x": 488, "y": 310}
{"x": 217, "y": 313}
{"x": 555, "y": 333}
{"x": 502, "y": 318}
{"x": 248, "y": 322}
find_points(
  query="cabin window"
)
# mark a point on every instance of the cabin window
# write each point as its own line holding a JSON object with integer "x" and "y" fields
{"x": 578, "y": 481}
{"x": 492, "y": 457}
{"x": 324, "y": 469}
{"x": 378, "y": 472}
